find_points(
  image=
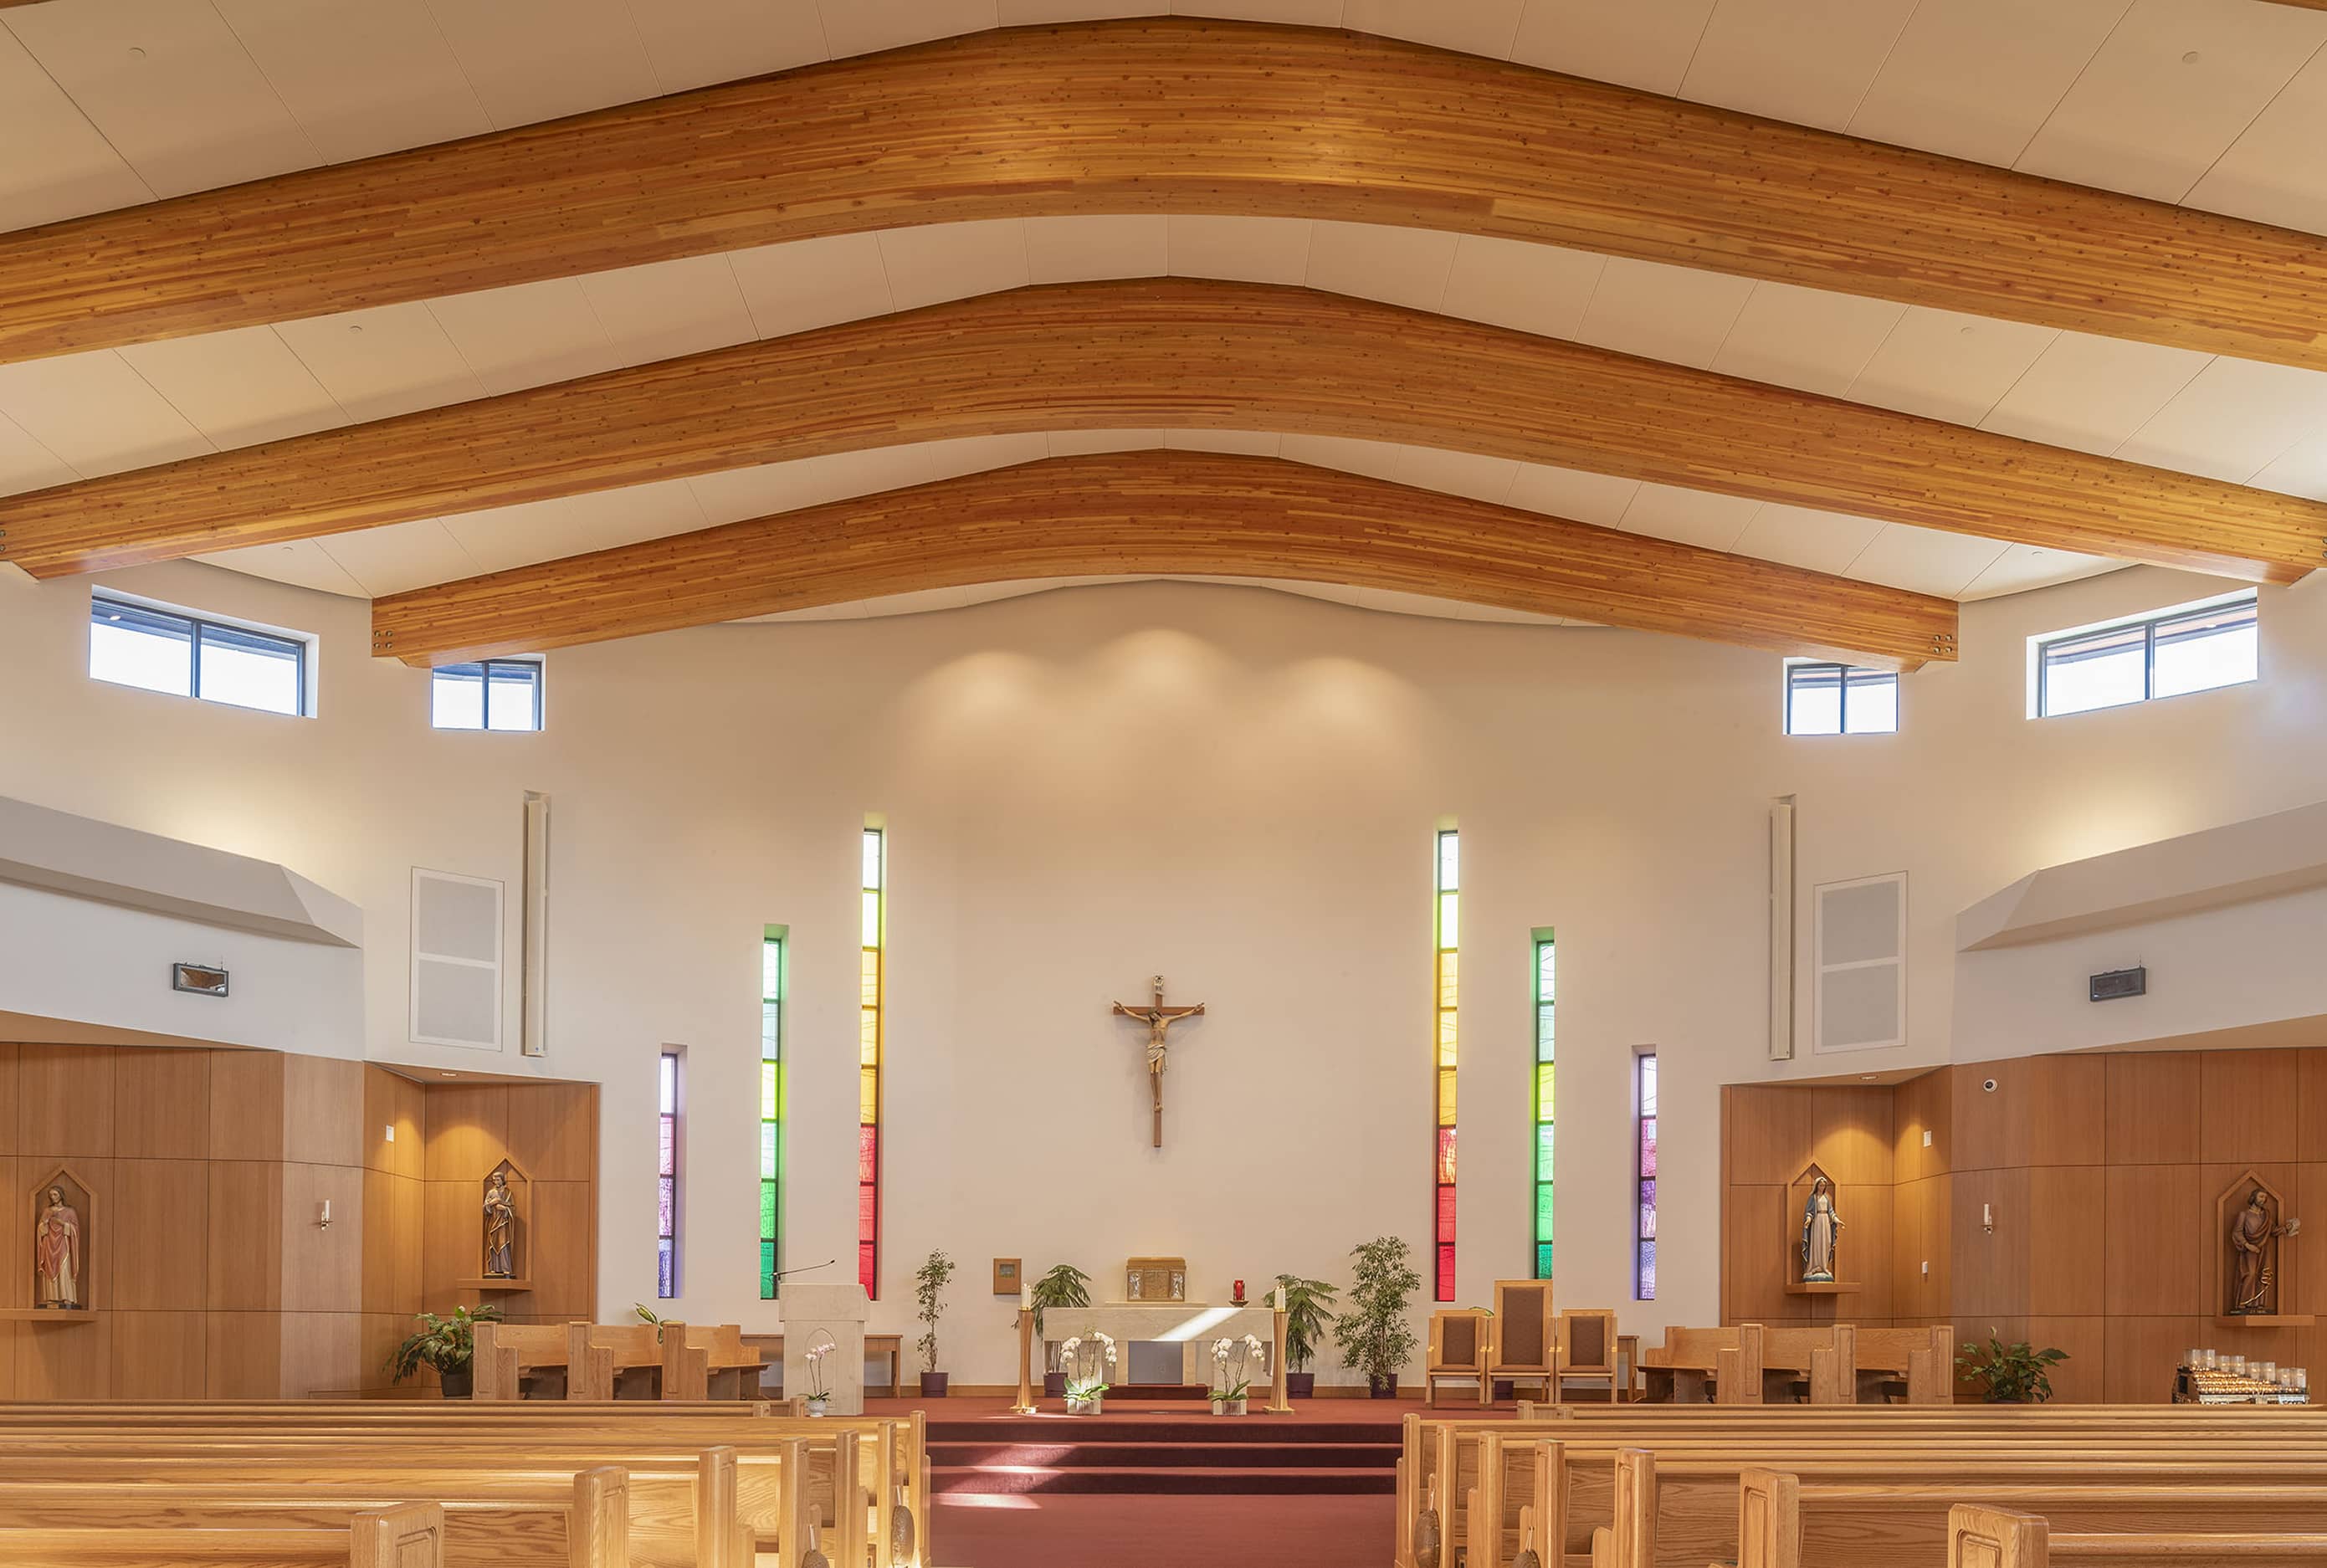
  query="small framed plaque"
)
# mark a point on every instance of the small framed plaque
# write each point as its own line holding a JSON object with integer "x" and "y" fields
{"x": 1006, "y": 1276}
{"x": 202, "y": 979}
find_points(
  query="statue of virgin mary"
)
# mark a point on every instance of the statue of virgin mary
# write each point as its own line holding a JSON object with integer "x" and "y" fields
{"x": 1821, "y": 1230}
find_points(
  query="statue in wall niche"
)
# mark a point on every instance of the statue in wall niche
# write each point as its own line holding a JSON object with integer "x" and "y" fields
{"x": 500, "y": 1228}
{"x": 1821, "y": 1230}
{"x": 56, "y": 1253}
{"x": 2254, "y": 1246}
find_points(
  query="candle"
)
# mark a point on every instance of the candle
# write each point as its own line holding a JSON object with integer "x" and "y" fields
{"x": 1280, "y": 1298}
{"x": 1025, "y": 1298}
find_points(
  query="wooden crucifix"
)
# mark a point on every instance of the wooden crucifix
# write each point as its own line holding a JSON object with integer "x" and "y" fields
{"x": 1159, "y": 1020}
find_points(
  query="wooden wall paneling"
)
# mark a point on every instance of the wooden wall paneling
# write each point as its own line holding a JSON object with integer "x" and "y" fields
{"x": 391, "y": 1100}
{"x": 1754, "y": 1231}
{"x": 16, "y": 1231}
{"x": 2249, "y": 1105}
{"x": 162, "y": 1103}
{"x": 559, "y": 1252}
{"x": 246, "y": 1104}
{"x": 246, "y": 1236}
{"x": 158, "y": 1221}
{"x": 2310, "y": 1123}
{"x": 10, "y": 1098}
{"x": 2083, "y": 1377}
{"x": 9, "y": 1334}
{"x": 66, "y": 1360}
{"x": 451, "y": 1244}
{"x": 1919, "y": 1105}
{"x": 321, "y": 1353}
{"x": 1869, "y": 1238}
{"x": 1770, "y": 1132}
{"x": 1988, "y": 1274}
{"x": 2154, "y": 1253}
{"x": 393, "y": 1207}
{"x": 553, "y": 1130}
{"x": 468, "y": 1130}
{"x": 1851, "y": 1140}
{"x": 2154, "y": 1100}
{"x": 64, "y": 1100}
{"x": 244, "y": 1357}
{"x": 2067, "y": 1102}
{"x": 2306, "y": 1255}
{"x": 2141, "y": 1352}
{"x": 1175, "y": 353}
{"x": 322, "y": 1264}
{"x": 1169, "y": 114}
{"x": 2065, "y": 1240}
{"x": 160, "y": 1355}
{"x": 1922, "y": 1232}
{"x": 323, "y": 1110}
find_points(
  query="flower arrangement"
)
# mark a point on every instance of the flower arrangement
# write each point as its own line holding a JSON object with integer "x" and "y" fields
{"x": 819, "y": 1384}
{"x": 1234, "y": 1363}
{"x": 1087, "y": 1364}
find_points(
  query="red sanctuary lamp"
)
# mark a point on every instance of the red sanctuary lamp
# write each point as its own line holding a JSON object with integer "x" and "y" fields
{"x": 1238, "y": 1299}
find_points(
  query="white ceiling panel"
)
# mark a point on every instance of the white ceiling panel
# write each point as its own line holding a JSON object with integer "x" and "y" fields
{"x": 813, "y": 282}
{"x": 58, "y": 165}
{"x": 735, "y": 494}
{"x": 2235, "y": 418}
{"x": 693, "y": 44}
{"x": 1945, "y": 365}
{"x": 861, "y": 26}
{"x": 301, "y": 563}
{"x": 1297, "y": 12}
{"x": 1805, "y": 338}
{"x": 2274, "y": 173}
{"x": 528, "y": 334}
{"x": 1401, "y": 266}
{"x": 1079, "y": 443}
{"x": 537, "y": 60}
{"x": 25, "y": 464}
{"x": 237, "y": 388}
{"x": 1243, "y": 250}
{"x": 172, "y": 88}
{"x": 1373, "y": 459}
{"x": 1802, "y": 536}
{"x": 1924, "y": 560}
{"x": 2300, "y": 470}
{"x": 2173, "y": 86}
{"x": 2092, "y": 393}
{"x": 1665, "y": 312}
{"x": 385, "y": 361}
{"x": 951, "y": 261}
{"x": 399, "y": 557}
{"x": 1476, "y": 26}
{"x": 1643, "y": 44}
{"x": 1974, "y": 78}
{"x": 1688, "y": 517}
{"x": 1512, "y": 283}
{"x": 519, "y": 535}
{"x": 1564, "y": 493}
{"x": 1807, "y": 61}
{"x": 96, "y": 413}
{"x": 2024, "y": 566}
{"x": 362, "y": 77}
{"x": 1456, "y": 474}
{"x": 1243, "y": 442}
{"x": 668, "y": 308}
{"x": 1073, "y": 249}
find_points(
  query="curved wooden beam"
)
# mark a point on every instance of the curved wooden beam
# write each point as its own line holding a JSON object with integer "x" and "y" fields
{"x": 1174, "y": 353}
{"x": 1169, "y": 115}
{"x": 1178, "y": 512}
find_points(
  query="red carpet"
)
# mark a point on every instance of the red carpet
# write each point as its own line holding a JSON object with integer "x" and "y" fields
{"x": 1162, "y": 1532}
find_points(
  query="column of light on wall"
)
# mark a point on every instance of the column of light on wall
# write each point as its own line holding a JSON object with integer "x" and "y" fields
{"x": 771, "y": 1104}
{"x": 872, "y": 980}
{"x": 1447, "y": 946}
{"x": 667, "y": 1182}
{"x": 1543, "y": 1102}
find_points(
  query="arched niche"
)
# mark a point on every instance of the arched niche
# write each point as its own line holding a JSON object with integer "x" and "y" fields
{"x": 60, "y": 1257}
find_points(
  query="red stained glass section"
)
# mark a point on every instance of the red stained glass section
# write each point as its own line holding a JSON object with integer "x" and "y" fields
{"x": 1446, "y": 1273}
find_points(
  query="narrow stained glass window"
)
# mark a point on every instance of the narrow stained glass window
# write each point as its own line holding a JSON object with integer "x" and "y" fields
{"x": 1644, "y": 1249}
{"x": 1444, "y": 1035}
{"x": 667, "y": 1182}
{"x": 872, "y": 978}
{"x": 771, "y": 1104}
{"x": 1543, "y": 1103}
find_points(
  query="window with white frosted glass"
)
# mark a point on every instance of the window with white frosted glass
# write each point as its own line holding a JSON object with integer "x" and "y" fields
{"x": 1840, "y": 699}
{"x": 159, "y": 649}
{"x": 2191, "y": 647}
{"x": 493, "y": 694}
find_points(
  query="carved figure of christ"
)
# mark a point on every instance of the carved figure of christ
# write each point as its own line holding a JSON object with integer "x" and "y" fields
{"x": 1159, "y": 1020}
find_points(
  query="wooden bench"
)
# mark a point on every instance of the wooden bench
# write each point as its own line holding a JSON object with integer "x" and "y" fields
{"x": 887, "y": 1347}
{"x": 601, "y": 1361}
{"x": 410, "y": 1535}
{"x": 1980, "y": 1536}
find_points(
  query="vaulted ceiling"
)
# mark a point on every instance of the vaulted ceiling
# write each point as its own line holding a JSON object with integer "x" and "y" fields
{"x": 1614, "y": 304}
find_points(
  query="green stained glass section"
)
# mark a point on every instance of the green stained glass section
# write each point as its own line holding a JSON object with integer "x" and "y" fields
{"x": 768, "y": 1138}
{"x": 767, "y": 1271}
{"x": 1543, "y": 1211}
{"x": 1543, "y": 1035}
{"x": 771, "y": 1103}
{"x": 1543, "y": 1151}
{"x": 1542, "y": 1101}
{"x": 1543, "y": 1260}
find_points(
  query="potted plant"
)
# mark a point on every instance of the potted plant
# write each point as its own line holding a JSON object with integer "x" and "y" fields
{"x": 1087, "y": 1363}
{"x": 1307, "y": 1318}
{"x": 448, "y": 1344}
{"x": 819, "y": 1390}
{"x": 1234, "y": 1361}
{"x": 929, "y": 1290}
{"x": 1373, "y": 1334}
{"x": 1064, "y": 1286}
{"x": 2013, "y": 1374}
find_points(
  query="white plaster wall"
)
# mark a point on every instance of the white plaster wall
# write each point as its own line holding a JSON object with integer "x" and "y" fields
{"x": 1233, "y": 787}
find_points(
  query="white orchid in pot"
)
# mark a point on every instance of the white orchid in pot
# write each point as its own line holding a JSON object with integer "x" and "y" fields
{"x": 1235, "y": 1364}
{"x": 1089, "y": 1363}
{"x": 819, "y": 1377}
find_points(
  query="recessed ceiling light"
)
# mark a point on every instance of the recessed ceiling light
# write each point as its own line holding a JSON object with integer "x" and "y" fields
{"x": 1868, "y": 1078}
{"x": 442, "y": 1074}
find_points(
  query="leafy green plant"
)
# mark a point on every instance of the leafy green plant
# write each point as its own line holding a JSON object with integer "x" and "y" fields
{"x": 1374, "y": 1335}
{"x": 1064, "y": 1286}
{"x": 1308, "y": 1316}
{"x": 2014, "y": 1374}
{"x": 929, "y": 1291}
{"x": 446, "y": 1344}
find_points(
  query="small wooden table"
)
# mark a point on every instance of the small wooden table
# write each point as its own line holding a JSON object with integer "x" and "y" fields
{"x": 889, "y": 1346}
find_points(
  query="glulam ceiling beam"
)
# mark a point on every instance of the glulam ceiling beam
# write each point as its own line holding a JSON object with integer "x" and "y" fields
{"x": 1174, "y": 353}
{"x": 1169, "y": 115}
{"x": 1173, "y": 512}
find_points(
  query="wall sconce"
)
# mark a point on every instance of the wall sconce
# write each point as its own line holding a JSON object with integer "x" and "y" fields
{"x": 323, "y": 1219}
{"x": 1987, "y": 1218}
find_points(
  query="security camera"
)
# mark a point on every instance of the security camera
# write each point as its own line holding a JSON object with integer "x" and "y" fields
{"x": 1987, "y": 1084}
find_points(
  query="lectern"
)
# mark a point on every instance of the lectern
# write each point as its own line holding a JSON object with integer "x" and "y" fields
{"x": 840, "y": 1310}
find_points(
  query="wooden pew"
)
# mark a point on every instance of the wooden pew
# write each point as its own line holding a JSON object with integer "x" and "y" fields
{"x": 1979, "y": 1537}
{"x": 410, "y": 1535}
{"x": 521, "y": 1361}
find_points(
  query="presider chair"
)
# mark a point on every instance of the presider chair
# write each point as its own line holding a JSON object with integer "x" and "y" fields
{"x": 1526, "y": 1346}
{"x": 1460, "y": 1338}
{"x": 1587, "y": 1351}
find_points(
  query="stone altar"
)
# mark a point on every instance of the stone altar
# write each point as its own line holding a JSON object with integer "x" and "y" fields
{"x": 1191, "y": 1325}
{"x": 839, "y": 1309}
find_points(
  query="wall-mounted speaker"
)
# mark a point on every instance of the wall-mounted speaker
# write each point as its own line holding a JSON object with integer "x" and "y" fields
{"x": 2118, "y": 984}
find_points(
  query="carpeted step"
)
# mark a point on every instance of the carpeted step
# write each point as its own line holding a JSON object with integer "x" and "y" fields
{"x": 1202, "y": 1430}
{"x": 1147, "y": 1455}
{"x": 1038, "y": 1480}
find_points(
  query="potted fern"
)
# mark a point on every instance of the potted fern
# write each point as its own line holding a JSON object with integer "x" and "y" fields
{"x": 2013, "y": 1373}
{"x": 1064, "y": 1286}
{"x": 1308, "y": 1318}
{"x": 448, "y": 1344}
{"x": 1374, "y": 1334}
{"x": 928, "y": 1292}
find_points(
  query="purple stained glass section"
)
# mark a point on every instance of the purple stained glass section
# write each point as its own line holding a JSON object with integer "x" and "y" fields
{"x": 668, "y": 1156}
{"x": 666, "y": 1201}
{"x": 1648, "y": 1210}
{"x": 1647, "y": 1283}
{"x": 665, "y": 1284}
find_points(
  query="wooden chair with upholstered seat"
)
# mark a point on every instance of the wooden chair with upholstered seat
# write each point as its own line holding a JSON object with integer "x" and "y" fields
{"x": 1525, "y": 1345}
{"x": 1460, "y": 1340}
{"x": 1587, "y": 1351}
